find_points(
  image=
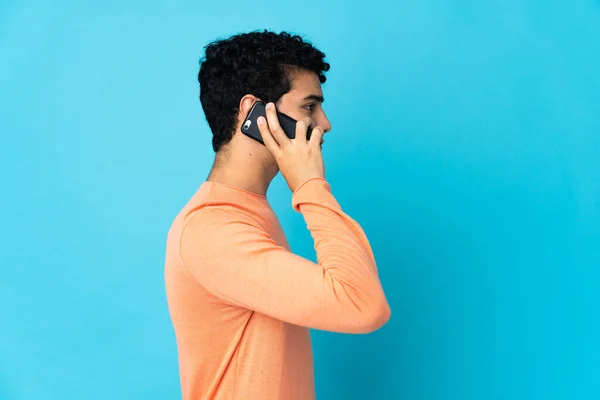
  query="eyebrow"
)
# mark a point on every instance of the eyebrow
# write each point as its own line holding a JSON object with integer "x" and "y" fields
{"x": 315, "y": 97}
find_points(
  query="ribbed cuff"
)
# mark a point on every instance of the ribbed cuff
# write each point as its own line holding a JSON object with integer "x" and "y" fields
{"x": 309, "y": 191}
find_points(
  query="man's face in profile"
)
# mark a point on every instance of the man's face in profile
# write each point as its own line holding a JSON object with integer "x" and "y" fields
{"x": 305, "y": 99}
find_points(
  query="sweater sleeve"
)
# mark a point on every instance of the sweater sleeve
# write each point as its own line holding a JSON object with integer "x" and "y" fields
{"x": 236, "y": 260}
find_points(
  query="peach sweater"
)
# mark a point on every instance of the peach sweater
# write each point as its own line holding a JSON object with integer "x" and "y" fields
{"x": 242, "y": 304}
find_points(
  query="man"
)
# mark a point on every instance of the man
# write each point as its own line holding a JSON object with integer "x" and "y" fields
{"x": 241, "y": 303}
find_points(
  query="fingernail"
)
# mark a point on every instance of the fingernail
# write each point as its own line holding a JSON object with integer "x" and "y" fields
{"x": 270, "y": 105}
{"x": 261, "y": 120}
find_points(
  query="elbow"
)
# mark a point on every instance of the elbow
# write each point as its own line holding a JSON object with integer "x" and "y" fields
{"x": 374, "y": 317}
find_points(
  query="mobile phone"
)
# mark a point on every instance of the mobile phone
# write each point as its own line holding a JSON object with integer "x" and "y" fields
{"x": 250, "y": 125}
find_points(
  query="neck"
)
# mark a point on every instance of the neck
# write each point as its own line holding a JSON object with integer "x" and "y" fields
{"x": 242, "y": 169}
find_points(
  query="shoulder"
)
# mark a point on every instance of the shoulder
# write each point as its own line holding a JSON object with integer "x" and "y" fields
{"x": 214, "y": 225}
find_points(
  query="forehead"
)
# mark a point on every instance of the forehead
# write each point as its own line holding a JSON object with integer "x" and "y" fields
{"x": 306, "y": 83}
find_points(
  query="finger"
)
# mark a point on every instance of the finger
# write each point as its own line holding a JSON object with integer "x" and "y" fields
{"x": 302, "y": 127}
{"x": 316, "y": 136}
{"x": 267, "y": 137}
{"x": 275, "y": 127}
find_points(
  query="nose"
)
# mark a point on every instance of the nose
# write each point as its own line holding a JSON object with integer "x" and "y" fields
{"x": 323, "y": 122}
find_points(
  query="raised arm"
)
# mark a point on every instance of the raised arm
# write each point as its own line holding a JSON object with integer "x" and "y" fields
{"x": 241, "y": 264}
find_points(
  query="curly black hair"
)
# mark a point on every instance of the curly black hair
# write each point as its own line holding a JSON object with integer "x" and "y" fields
{"x": 257, "y": 63}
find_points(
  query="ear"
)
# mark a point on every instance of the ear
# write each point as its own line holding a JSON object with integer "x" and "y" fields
{"x": 246, "y": 104}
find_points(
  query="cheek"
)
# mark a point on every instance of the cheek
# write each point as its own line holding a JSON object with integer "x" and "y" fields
{"x": 292, "y": 110}
{"x": 297, "y": 113}
{"x": 286, "y": 107}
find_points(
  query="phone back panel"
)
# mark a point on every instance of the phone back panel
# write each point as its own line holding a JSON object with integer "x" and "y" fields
{"x": 250, "y": 125}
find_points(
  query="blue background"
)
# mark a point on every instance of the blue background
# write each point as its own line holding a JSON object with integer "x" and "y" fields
{"x": 466, "y": 141}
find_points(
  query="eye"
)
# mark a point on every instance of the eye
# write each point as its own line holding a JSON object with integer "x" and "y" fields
{"x": 310, "y": 107}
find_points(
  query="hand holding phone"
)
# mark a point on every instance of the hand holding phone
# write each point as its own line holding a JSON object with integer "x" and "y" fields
{"x": 250, "y": 126}
{"x": 298, "y": 160}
